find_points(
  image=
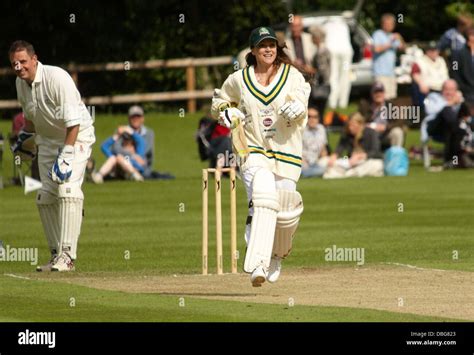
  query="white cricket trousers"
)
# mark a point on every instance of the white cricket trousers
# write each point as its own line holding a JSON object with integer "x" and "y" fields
{"x": 60, "y": 205}
{"x": 280, "y": 184}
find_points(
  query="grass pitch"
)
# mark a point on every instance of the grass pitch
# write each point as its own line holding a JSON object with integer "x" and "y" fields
{"x": 151, "y": 232}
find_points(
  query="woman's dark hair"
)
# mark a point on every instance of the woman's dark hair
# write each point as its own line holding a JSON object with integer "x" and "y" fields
{"x": 281, "y": 57}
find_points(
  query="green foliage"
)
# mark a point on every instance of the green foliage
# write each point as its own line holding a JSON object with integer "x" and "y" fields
{"x": 135, "y": 30}
{"x": 459, "y": 7}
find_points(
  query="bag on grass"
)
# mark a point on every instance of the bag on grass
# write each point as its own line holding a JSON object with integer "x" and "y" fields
{"x": 396, "y": 162}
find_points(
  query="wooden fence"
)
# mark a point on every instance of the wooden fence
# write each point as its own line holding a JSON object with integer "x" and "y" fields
{"x": 191, "y": 94}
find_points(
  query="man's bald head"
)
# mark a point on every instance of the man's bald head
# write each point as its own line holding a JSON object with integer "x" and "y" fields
{"x": 450, "y": 92}
{"x": 450, "y": 84}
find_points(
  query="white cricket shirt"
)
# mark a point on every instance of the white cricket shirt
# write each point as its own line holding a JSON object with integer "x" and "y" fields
{"x": 52, "y": 103}
{"x": 274, "y": 142}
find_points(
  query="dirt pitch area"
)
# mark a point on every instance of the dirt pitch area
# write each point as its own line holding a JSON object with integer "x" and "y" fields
{"x": 393, "y": 288}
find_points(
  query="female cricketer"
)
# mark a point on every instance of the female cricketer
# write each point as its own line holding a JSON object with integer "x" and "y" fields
{"x": 270, "y": 97}
{"x": 60, "y": 125}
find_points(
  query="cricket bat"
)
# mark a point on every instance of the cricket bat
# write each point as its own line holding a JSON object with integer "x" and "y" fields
{"x": 239, "y": 141}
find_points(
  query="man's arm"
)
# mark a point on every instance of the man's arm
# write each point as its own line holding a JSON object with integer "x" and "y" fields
{"x": 140, "y": 149}
{"x": 402, "y": 44}
{"x": 382, "y": 47}
{"x": 416, "y": 75}
{"x": 71, "y": 135}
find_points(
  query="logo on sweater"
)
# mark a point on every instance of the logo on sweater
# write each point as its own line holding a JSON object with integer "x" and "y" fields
{"x": 267, "y": 122}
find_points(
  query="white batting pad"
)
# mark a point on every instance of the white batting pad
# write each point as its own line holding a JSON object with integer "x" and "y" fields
{"x": 48, "y": 207}
{"x": 70, "y": 211}
{"x": 291, "y": 208}
{"x": 262, "y": 231}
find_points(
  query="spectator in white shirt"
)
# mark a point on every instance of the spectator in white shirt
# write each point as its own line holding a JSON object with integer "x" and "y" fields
{"x": 428, "y": 73}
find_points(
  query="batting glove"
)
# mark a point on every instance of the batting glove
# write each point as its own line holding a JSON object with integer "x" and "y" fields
{"x": 25, "y": 145}
{"x": 230, "y": 117}
{"x": 62, "y": 167}
{"x": 292, "y": 110}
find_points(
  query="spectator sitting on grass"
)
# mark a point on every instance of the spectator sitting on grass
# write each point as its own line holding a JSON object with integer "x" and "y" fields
{"x": 126, "y": 160}
{"x": 376, "y": 113}
{"x": 362, "y": 146}
{"x": 136, "y": 121}
{"x": 314, "y": 145}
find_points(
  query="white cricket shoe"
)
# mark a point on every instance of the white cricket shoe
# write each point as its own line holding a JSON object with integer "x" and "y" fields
{"x": 97, "y": 178}
{"x": 258, "y": 276}
{"x": 48, "y": 266}
{"x": 274, "y": 269}
{"x": 63, "y": 263}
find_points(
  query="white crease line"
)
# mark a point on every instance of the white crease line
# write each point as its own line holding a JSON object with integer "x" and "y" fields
{"x": 17, "y": 277}
{"x": 414, "y": 267}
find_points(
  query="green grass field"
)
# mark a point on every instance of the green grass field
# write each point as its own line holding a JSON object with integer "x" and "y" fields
{"x": 158, "y": 224}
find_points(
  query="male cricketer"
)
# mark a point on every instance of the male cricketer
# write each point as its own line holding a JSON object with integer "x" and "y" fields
{"x": 58, "y": 123}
